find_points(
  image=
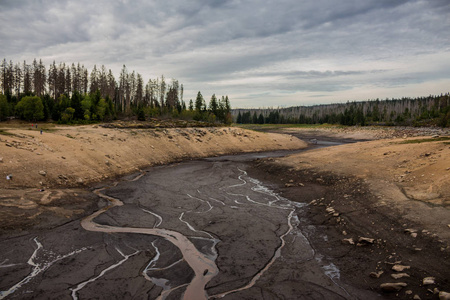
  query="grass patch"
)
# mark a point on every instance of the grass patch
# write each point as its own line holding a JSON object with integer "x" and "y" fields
{"x": 2, "y": 132}
{"x": 419, "y": 141}
{"x": 265, "y": 127}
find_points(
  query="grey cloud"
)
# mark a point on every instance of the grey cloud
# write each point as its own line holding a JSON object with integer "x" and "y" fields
{"x": 306, "y": 46}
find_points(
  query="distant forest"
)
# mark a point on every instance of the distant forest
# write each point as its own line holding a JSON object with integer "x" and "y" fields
{"x": 72, "y": 94}
{"x": 422, "y": 111}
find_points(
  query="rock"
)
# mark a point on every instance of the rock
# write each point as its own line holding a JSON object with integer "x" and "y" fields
{"x": 400, "y": 268}
{"x": 79, "y": 180}
{"x": 289, "y": 185}
{"x": 428, "y": 280}
{"x": 390, "y": 287}
{"x": 330, "y": 210}
{"x": 409, "y": 230}
{"x": 416, "y": 297}
{"x": 414, "y": 234}
{"x": 365, "y": 240}
{"x": 408, "y": 292}
{"x": 399, "y": 275}
{"x": 444, "y": 295}
{"x": 349, "y": 241}
{"x": 43, "y": 173}
{"x": 376, "y": 274}
{"x": 1, "y": 159}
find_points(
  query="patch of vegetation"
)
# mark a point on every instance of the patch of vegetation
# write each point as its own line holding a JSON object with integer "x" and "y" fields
{"x": 265, "y": 127}
{"x": 419, "y": 141}
{"x": 2, "y": 132}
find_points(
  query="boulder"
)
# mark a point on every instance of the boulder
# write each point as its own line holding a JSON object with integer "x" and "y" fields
{"x": 429, "y": 280}
{"x": 366, "y": 240}
{"x": 390, "y": 287}
{"x": 400, "y": 268}
{"x": 399, "y": 275}
{"x": 348, "y": 241}
{"x": 376, "y": 274}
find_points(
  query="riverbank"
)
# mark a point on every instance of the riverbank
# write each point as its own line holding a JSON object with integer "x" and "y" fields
{"x": 375, "y": 205}
{"x": 49, "y": 171}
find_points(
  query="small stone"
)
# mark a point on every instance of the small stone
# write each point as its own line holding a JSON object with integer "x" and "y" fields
{"x": 416, "y": 297}
{"x": 43, "y": 173}
{"x": 409, "y": 230}
{"x": 436, "y": 291}
{"x": 366, "y": 240}
{"x": 1, "y": 159}
{"x": 330, "y": 210}
{"x": 392, "y": 286}
{"x": 344, "y": 232}
{"x": 408, "y": 292}
{"x": 348, "y": 241}
{"x": 399, "y": 275}
{"x": 428, "y": 280}
{"x": 400, "y": 268}
{"x": 414, "y": 234}
{"x": 376, "y": 274}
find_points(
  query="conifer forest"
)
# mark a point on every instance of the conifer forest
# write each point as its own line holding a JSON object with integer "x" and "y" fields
{"x": 70, "y": 93}
{"x": 422, "y": 111}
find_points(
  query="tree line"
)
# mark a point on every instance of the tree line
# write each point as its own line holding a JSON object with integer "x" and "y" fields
{"x": 421, "y": 111}
{"x": 70, "y": 93}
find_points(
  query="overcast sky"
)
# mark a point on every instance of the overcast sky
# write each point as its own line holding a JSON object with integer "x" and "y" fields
{"x": 259, "y": 53}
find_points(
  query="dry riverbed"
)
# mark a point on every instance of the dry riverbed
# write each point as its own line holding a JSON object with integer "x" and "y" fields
{"x": 369, "y": 214}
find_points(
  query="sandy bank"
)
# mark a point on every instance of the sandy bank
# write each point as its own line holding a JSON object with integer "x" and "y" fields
{"x": 69, "y": 156}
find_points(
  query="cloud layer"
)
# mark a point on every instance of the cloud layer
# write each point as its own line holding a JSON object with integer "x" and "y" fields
{"x": 260, "y": 53}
